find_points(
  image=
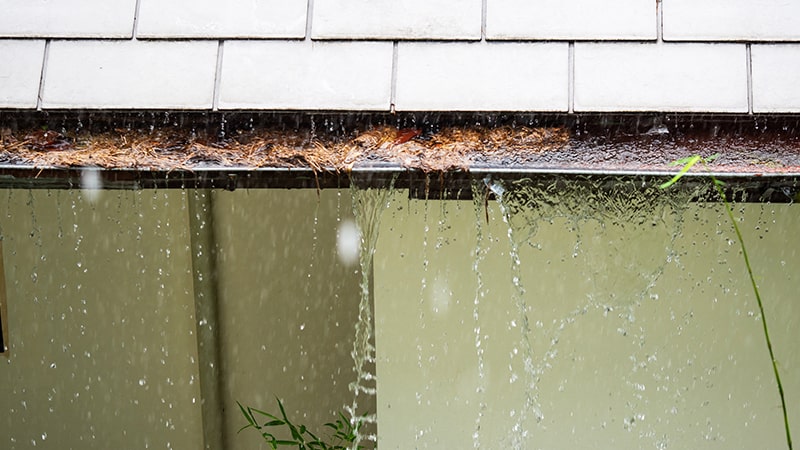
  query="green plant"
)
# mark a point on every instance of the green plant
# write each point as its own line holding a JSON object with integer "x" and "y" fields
{"x": 688, "y": 163}
{"x": 342, "y": 438}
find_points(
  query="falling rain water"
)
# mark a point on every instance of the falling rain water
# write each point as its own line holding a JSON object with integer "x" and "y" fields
{"x": 524, "y": 207}
{"x": 552, "y": 315}
{"x": 522, "y": 322}
{"x": 368, "y": 206}
{"x": 480, "y": 192}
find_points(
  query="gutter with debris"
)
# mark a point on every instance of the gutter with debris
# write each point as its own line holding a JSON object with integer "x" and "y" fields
{"x": 436, "y": 156}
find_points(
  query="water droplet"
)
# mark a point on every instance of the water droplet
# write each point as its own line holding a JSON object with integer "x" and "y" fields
{"x": 348, "y": 242}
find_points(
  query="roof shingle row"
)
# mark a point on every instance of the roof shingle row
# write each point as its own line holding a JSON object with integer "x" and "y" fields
{"x": 413, "y": 55}
{"x": 693, "y": 20}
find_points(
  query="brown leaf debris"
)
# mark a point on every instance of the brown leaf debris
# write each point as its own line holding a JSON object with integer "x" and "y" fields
{"x": 453, "y": 148}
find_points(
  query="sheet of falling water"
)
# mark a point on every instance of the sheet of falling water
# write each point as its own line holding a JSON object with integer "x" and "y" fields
{"x": 578, "y": 319}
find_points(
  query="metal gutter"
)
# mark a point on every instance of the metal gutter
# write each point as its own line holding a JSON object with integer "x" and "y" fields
{"x": 759, "y": 156}
{"x": 750, "y": 187}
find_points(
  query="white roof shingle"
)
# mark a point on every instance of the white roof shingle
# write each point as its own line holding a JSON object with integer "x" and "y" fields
{"x": 393, "y": 19}
{"x": 208, "y": 19}
{"x": 67, "y": 18}
{"x": 731, "y": 56}
{"x": 511, "y": 76}
{"x": 731, "y": 20}
{"x": 571, "y": 19}
{"x": 660, "y": 77}
{"x": 776, "y": 90}
{"x": 130, "y": 74}
{"x": 20, "y": 72}
{"x": 297, "y": 75}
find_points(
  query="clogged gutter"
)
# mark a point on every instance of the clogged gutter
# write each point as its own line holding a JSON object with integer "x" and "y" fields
{"x": 456, "y": 148}
{"x": 446, "y": 150}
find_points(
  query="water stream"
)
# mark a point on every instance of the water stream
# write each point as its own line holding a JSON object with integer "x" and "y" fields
{"x": 597, "y": 218}
{"x": 368, "y": 206}
{"x": 581, "y": 306}
{"x": 533, "y": 316}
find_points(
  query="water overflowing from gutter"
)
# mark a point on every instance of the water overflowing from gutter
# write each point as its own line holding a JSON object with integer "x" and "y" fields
{"x": 368, "y": 206}
{"x": 521, "y": 298}
{"x": 602, "y": 222}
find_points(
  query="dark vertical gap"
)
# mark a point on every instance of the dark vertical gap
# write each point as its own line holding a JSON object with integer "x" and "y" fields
{"x": 207, "y": 321}
{"x": 749, "y": 78}
{"x": 393, "y": 87}
{"x": 217, "y": 76}
{"x": 135, "y": 29}
{"x": 3, "y": 307}
{"x": 483, "y": 19}
{"x": 43, "y": 74}
{"x": 309, "y": 15}
{"x": 659, "y": 21}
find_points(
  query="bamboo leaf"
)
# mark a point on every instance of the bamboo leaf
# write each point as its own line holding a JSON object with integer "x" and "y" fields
{"x": 684, "y": 161}
{"x": 247, "y": 414}
{"x": 263, "y": 413}
{"x": 687, "y": 165}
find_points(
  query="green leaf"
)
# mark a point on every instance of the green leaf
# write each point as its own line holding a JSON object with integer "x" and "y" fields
{"x": 248, "y": 415}
{"x": 263, "y": 413}
{"x": 270, "y": 440}
{"x": 344, "y": 432}
{"x": 684, "y": 161}
{"x": 283, "y": 411}
{"x": 687, "y": 165}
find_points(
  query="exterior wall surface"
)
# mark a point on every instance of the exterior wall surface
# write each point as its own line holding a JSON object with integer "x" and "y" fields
{"x": 404, "y": 55}
{"x": 114, "y": 343}
{"x": 287, "y": 308}
{"x": 101, "y": 323}
{"x": 641, "y": 335}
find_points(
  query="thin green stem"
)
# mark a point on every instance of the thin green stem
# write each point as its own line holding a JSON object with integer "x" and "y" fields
{"x": 687, "y": 164}
{"x": 729, "y": 210}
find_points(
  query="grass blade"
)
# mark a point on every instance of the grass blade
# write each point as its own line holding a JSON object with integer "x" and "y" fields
{"x": 687, "y": 165}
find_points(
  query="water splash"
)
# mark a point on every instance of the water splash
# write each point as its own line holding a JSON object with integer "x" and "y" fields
{"x": 368, "y": 205}
{"x": 531, "y": 404}
{"x": 348, "y": 242}
{"x": 628, "y": 209}
{"x": 480, "y": 194}
{"x": 91, "y": 183}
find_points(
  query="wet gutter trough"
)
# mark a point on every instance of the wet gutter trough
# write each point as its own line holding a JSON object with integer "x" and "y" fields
{"x": 434, "y": 157}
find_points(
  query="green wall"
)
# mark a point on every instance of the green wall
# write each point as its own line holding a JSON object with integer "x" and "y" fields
{"x": 122, "y": 309}
{"x": 627, "y": 349}
{"x": 138, "y": 318}
{"x": 287, "y": 306}
{"x": 101, "y": 322}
